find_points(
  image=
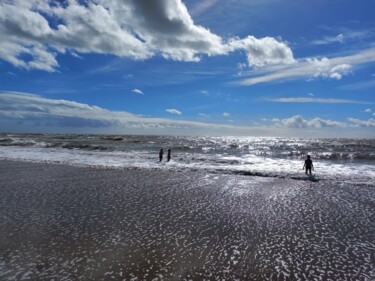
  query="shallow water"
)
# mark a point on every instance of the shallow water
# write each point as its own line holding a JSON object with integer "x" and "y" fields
{"x": 68, "y": 223}
{"x": 338, "y": 160}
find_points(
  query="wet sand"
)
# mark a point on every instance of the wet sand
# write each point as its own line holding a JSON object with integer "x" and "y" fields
{"x": 68, "y": 223}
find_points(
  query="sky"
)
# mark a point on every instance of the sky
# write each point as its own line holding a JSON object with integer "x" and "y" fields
{"x": 209, "y": 67}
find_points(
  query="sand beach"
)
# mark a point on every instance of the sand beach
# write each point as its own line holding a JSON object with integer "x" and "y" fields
{"x": 61, "y": 222}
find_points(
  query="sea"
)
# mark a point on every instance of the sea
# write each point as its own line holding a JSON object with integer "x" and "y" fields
{"x": 334, "y": 159}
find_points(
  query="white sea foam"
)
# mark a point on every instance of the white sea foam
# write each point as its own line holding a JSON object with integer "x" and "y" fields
{"x": 243, "y": 164}
{"x": 334, "y": 159}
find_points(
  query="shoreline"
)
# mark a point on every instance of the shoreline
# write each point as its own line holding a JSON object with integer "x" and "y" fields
{"x": 69, "y": 222}
{"x": 246, "y": 173}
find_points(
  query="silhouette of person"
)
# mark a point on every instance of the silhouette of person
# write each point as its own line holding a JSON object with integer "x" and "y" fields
{"x": 169, "y": 155}
{"x": 308, "y": 165}
{"x": 161, "y": 152}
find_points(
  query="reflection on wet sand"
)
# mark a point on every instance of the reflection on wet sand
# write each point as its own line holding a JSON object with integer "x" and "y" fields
{"x": 68, "y": 223}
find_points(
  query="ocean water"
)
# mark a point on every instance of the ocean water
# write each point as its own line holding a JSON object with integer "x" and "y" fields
{"x": 339, "y": 160}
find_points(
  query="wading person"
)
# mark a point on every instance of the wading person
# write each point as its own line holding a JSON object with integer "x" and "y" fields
{"x": 161, "y": 152}
{"x": 308, "y": 166}
{"x": 169, "y": 155}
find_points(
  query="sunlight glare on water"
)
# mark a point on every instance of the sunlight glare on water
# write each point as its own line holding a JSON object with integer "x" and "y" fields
{"x": 335, "y": 159}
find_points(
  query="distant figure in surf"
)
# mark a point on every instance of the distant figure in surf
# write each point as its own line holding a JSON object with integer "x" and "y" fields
{"x": 161, "y": 152}
{"x": 308, "y": 165}
{"x": 169, "y": 155}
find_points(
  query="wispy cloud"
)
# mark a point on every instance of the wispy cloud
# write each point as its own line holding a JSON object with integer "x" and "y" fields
{"x": 316, "y": 100}
{"x": 308, "y": 68}
{"x": 329, "y": 40}
{"x": 36, "y": 112}
{"x": 202, "y": 6}
{"x": 203, "y": 115}
{"x": 358, "y": 86}
{"x": 226, "y": 114}
{"x": 347, "y": 34}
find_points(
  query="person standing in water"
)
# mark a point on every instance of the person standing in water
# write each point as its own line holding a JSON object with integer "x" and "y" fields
{"x": 161, "y": 152}
{"x": 169, "y": 155}
{"x": 308, "y": 165}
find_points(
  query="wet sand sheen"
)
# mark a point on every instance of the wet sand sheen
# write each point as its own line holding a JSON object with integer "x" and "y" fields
{"x": 68, "y": 223}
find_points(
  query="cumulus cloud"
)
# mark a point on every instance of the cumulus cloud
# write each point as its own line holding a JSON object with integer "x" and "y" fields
{"x": 226, "y": 114}
{"x": 263, "y": 51}
{"x": 173, "y": 111}
{"x": 298, "y": 121}
{"x": 137, "y": 91}
{"x": 138, "y": 29}
{"x": 324, "y": 68}
{"x": 362, "y": 123}
{"x": 338, "y": 71}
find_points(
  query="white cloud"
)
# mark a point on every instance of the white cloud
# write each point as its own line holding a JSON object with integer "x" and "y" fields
{"x": 358, "y": 85}
{"x": 202, "y": 6}
{"x": 27, "y": 112}
{"x": 173, "y": 111}
{"x": 362, "y": 123}
{"x": 329, "y": 40}
{"x": 137, "y": 91}
{"x": 34, "y": 110}
{"x": 334, "y": 68}
{"x": 203, "y": 115}
{"x": 324, "y": 68}
{"x": 368, "y": 110}
{"x": 263, "y": 51}
{"x": 338, "y": 71}
{"x": 298, "y": 121}
{"x": 316, "y": 100}
{"x": 135, "y": 29}
{"x": 226, "y": 114}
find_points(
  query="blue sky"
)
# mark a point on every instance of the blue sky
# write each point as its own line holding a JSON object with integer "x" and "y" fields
{"x": 210, "y": 67}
